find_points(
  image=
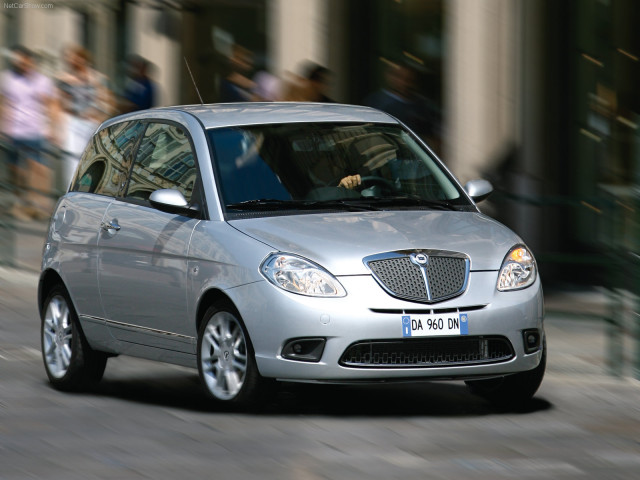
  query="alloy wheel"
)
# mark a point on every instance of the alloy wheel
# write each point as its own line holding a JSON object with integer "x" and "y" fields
{"x": 224, "y": 356}
{"x": 57, "y": 337}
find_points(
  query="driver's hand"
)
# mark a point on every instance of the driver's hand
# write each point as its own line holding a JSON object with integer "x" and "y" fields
{"x": 350, "y": 181}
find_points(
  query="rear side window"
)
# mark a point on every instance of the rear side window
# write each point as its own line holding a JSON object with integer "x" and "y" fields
{"x": 165, "y": 159}
{"x": 106, "y": 161}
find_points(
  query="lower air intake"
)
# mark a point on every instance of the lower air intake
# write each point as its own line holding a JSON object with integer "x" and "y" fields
{"x": 430, "y": 352}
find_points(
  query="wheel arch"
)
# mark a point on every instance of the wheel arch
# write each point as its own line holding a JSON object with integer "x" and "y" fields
{"x": 48, "y": 279}
{"x": 255, "y": 387}
{"x": 211, "y": 297}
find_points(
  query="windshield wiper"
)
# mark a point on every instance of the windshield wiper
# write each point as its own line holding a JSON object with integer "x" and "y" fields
{"x": 260, "y": 204}
{"x": 273, "y": 204}
{"x": 411, "y": 201}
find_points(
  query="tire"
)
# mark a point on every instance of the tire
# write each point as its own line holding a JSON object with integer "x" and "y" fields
{"x": 69, "y": 361}
{"x": 512, "y": 391}
{"x": 226, "y": 360}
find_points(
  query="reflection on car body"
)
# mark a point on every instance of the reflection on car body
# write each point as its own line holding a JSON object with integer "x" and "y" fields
{"x": 284, "y": 241}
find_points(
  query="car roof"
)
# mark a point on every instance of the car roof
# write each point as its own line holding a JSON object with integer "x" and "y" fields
{"x": 233, "y": 114}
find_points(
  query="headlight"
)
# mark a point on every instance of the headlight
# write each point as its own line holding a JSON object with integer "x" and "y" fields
{"x": 297, "y": 275}
{"x": 518, "y": 269}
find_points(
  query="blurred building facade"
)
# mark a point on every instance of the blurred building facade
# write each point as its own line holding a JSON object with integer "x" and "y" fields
{"x": 539, "y": 96}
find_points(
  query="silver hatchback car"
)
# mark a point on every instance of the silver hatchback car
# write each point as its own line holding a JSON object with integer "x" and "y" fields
{"x": 284, "y": 241}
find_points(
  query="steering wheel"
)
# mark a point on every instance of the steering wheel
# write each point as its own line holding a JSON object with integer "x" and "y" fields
{"x": 372, "y": 181}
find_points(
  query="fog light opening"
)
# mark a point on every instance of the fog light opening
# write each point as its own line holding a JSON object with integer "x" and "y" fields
{"x": 531, "y": 341}
{"x": 304, "y": 349}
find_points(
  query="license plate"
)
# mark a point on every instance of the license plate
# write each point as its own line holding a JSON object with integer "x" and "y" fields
{"x": 435, "y": 325}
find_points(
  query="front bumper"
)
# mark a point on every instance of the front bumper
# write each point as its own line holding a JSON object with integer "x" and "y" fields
{"x": 368, "y": 314}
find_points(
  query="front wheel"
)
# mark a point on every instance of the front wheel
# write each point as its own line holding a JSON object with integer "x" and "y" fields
{"x": 226, "y": 362}
{"x": 513, "y": 390}
{"x": 69, "y": 361}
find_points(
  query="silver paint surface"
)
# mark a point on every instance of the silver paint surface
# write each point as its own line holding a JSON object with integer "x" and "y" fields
{"x": 137, "y": 290}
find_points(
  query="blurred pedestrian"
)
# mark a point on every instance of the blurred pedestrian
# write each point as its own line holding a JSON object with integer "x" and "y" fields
{"x": 399, "y": 97}
{"x": 266, "y": 87}
{"x": 237, "y": 85}
{"x": 86, "y": 101}
{"x": 139, "y": 90}
{"x": 318, "y": 82}
{"x": 27, "y": 111}
{"x": 294, "y": 87}
{"x": 310, "y": 85}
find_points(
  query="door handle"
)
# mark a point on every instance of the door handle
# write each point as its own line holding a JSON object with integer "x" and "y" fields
{"x": 113, "y": 225}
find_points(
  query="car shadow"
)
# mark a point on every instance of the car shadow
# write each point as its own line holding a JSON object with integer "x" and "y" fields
{"x": 429, "y": 399}
{"x": 425, "y": 399}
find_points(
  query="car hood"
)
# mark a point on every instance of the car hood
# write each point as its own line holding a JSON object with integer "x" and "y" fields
{"x": 339, "y": 241}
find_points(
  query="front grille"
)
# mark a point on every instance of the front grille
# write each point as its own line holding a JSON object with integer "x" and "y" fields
{"x": 443, "y": 276}
{"x": 401, "y": 277}
{"x": 428, "y": 352}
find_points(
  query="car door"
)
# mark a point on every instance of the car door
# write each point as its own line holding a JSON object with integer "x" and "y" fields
{"x": 143, "y": 251}
{"x": 101, "y": 174}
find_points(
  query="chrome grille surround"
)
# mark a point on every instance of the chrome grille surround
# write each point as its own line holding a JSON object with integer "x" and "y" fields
{"x": 426, "y": 276}
{"x": 428, "y": 352}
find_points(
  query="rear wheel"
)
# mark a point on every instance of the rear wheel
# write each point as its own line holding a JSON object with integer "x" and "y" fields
{"x": 513, "y": 390}
{"x": 69, "y": 361}
{"x": 226, "y": 362}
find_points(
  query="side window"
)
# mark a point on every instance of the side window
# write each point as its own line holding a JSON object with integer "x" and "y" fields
{"x": 106, "y": 161}
{"x": 165, "y": 159}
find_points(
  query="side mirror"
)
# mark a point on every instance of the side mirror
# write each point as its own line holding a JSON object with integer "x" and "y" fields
{"x": 171, "y": 201}
{"x": 478, "y": 190}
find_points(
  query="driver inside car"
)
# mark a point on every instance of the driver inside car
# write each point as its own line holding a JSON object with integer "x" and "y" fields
{"x": 351, "y": 181}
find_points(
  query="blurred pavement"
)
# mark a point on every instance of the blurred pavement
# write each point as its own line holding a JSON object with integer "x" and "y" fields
{"x": 23, "y": 242}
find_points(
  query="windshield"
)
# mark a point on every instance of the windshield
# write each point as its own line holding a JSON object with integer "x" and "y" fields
{"x": 306, "y": 166}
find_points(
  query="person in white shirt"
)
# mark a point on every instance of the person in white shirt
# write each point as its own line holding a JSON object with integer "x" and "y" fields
{"x": 27, "y": 113}
{"x": 86, "y": 101}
